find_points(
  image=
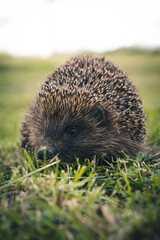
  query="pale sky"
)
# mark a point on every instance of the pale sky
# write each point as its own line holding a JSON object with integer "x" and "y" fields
{"x": 43, "y": 27}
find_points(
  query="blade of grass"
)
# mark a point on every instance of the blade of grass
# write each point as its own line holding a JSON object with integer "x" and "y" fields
{"x": 29, "y": 160}
{"x": 79, "y": 173}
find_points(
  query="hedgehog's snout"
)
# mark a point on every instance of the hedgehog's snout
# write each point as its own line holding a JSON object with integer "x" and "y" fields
{"x": 44, "y": 153}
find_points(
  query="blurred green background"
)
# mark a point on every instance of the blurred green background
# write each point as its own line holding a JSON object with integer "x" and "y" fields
{"x": 20, "y": 80}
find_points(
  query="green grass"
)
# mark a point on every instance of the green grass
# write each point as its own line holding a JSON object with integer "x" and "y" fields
{"x": 120, "y": 200}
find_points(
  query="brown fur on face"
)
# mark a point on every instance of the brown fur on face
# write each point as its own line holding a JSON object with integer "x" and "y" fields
{"x": 86, "y": 107}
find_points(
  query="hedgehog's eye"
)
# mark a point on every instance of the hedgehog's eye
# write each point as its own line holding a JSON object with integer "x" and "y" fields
{"x": 73, "y": 131}
{"x": 70, "y": 132}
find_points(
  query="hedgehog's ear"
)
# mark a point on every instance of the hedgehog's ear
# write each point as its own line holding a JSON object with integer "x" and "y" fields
{"x": 98, "y": 113}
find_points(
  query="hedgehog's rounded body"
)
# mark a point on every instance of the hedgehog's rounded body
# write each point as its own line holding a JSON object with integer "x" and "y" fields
{"x": 86, "y": 107}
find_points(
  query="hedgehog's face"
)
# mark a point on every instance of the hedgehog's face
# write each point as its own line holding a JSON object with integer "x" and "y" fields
{"x": 79, "y": 131}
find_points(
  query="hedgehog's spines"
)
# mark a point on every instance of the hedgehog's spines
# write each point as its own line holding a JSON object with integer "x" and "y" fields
{"x": 102, "y": 78}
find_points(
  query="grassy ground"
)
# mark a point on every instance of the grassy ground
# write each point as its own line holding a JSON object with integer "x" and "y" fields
{"x": 118, "y": 201}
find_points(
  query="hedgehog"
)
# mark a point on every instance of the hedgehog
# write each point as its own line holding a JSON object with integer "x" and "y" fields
{"x": 87, "y": 107}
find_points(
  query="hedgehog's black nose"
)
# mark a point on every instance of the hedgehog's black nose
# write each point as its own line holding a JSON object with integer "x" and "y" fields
{"x": 44, "y": 153}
